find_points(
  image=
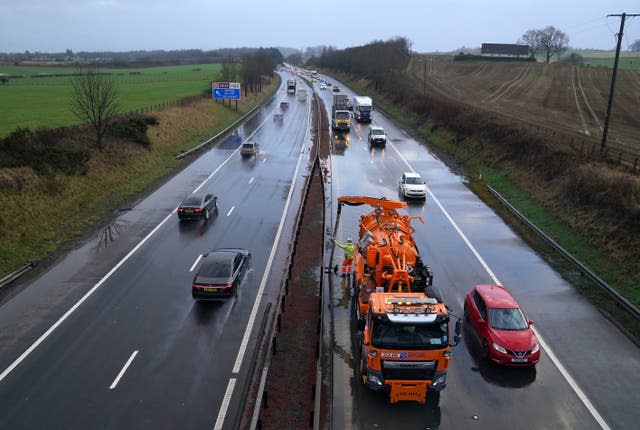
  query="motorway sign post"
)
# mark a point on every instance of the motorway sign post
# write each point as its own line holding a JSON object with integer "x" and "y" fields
{"x": 226, "y": 91}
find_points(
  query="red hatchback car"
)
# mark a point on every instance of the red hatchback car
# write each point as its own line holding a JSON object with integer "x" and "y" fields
{"x": 504, "y": 332}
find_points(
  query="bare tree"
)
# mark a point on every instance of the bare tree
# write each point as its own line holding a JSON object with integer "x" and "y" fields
{"x": 549, "y": 40}
{"x": 95, "y": 100}
{"x": 532, "y": 38}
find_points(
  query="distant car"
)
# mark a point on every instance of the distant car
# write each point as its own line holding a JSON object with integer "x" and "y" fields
{"x": 284, "y": 105}
{"x": 336, "y": 89}
{"x": 278, "y": 118}
{"x": 249, "y": 148}
{"x": 504, "y": 332}
{"x": 197, "y": 206}
{"x": 323, "y": 87}
{"x": 412, "y": 185}
{"x": 220, "y": 274}
{"x": 329, "y": 84}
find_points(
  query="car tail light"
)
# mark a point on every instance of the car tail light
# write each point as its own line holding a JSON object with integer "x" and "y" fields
{"x": 180, "y": 210}
{"x": 226, "y": 287}
{"x": 196, "y": 210}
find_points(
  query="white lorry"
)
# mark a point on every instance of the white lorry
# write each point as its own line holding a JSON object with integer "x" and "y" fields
{"x": 362, "y": 108}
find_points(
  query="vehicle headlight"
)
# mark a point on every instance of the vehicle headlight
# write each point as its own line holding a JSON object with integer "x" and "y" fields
{"x": 536, "y": 348}
{"x": 375, "y": 380}
{"x": 498, "y": 348}
{"x": 439, "y": 379}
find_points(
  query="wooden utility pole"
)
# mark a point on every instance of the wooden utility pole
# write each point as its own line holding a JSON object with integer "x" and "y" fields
{"x": 603, "y": 144}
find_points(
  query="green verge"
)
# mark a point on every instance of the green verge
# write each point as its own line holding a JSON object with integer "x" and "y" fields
{"x": 45, "y": 102}
{"x": 55, "y": 211}
{"x": 621, "y": 278}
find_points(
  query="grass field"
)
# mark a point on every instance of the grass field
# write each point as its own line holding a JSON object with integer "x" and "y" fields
{"x": 45, "y": 101}
{"x": 628, "y": 63}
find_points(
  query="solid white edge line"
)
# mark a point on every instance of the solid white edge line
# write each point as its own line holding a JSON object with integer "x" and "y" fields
{"x": 195, "y": 263}
{"x": 124, "y": 369}
{"x": 251, "y": 180}
{"x": 263, "y": 282}
{"x": 79, "y": 302}
{"x": 231, "y": 210}
{"x": 245, "y": 338}
{"x": 226, "y": 400}
{"x": 563, "y": 371}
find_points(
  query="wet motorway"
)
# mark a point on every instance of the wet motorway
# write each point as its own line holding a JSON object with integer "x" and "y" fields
{"x": 589, "y": 373}
{"x": 110, "y": 336}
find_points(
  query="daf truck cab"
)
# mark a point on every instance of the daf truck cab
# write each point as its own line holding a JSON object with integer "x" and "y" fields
{"x": 362, "y": 108}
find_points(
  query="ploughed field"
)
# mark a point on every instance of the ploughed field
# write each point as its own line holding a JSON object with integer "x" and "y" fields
{"x": 552, "y": 98}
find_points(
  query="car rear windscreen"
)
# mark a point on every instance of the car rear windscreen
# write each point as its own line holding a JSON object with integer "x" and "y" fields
{"x": 215, "y": 272}
{"x": 192, "y": 201}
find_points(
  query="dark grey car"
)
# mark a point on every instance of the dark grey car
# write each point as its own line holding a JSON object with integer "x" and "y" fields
{"x": 197, "y": 206}
{"x": 220, "y": 274}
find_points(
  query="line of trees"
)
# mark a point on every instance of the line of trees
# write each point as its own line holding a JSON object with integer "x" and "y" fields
{"x": 256, "y": 65}
{"x": 379, "y": 61}
{"x": 547, "y": 41}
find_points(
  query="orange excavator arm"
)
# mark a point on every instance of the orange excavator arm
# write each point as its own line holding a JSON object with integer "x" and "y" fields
{"x": 372, "y": 201}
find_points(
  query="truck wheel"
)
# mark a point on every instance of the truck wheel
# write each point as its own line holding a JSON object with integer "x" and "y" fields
{"x": 433, "y": 399}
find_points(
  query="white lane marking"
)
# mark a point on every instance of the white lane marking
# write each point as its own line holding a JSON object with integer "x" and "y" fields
{"x": 554, "y": 359}
{"x": 263, "y": 282}
{"x": 379, "y": 180}
{"x": 225, "y": 404}
{"x": 264, "y": 160}
{"x": 195, "y": 263}
{"x": 251, "y": 180}
{"x": 124, "y": 369}
{"x": 79, "y": 302}
{"x": 231, "y": 210}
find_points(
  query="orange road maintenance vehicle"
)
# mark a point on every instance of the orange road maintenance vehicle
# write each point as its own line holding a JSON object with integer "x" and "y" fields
{"x": 402, "y": 322}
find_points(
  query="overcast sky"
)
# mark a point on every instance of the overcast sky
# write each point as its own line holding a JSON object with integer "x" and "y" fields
{"x": 430, "y": 25}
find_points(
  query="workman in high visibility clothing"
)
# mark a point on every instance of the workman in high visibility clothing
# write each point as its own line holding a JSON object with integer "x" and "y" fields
{"x": 349, "y": 249}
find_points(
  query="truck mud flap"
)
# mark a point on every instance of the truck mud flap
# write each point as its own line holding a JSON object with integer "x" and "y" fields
{"x": 408, "y": 391}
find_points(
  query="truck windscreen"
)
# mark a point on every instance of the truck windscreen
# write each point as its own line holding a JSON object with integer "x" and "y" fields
{"x": 409, "y": 336}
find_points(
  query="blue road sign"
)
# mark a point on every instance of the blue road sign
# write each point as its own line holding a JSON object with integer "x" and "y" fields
{"x": 226, "y": 93}
{"x": 225, "y": 90}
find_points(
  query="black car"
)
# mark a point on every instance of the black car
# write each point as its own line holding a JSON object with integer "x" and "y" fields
{"x": 196, "y": 206}
{"x": 220, "y": 274}
{"x": 336, "y": 89}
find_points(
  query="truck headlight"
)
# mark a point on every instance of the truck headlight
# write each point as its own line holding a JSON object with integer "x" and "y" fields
{"x": 498, "y": 348}
{"x": 375, "y": 380}
{"x": 439, "y": 379}
{"x": 536, "y": 348}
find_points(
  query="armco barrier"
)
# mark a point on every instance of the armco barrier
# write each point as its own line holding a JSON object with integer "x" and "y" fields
{"x": 16, "y": 274}
{"x": 583, "y": 269}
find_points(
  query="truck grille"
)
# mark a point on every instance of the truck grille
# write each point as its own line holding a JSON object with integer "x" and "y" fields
{"x": 405, "y": 370}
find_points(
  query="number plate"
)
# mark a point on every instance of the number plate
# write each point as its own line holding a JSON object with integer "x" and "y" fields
{"x": 188, "y": 211}
{"x": 215, "y": 290}
{"x": 519, "y": 360}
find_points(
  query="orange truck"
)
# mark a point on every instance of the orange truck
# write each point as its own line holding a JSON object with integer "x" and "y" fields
{"x": 403, "y": 325}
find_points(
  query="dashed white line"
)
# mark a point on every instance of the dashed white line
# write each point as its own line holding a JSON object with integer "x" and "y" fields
{"x": 124, "y": 369}
{"x": 195, "y": 263}
{"x": 231, "y": 210}
{"x": 251, "y": 180}
{"x": 264, "y": 160}
{"x": 225, "y": 404}
{"x": 379, "y": 180}
{"x": 563, "y": 371}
